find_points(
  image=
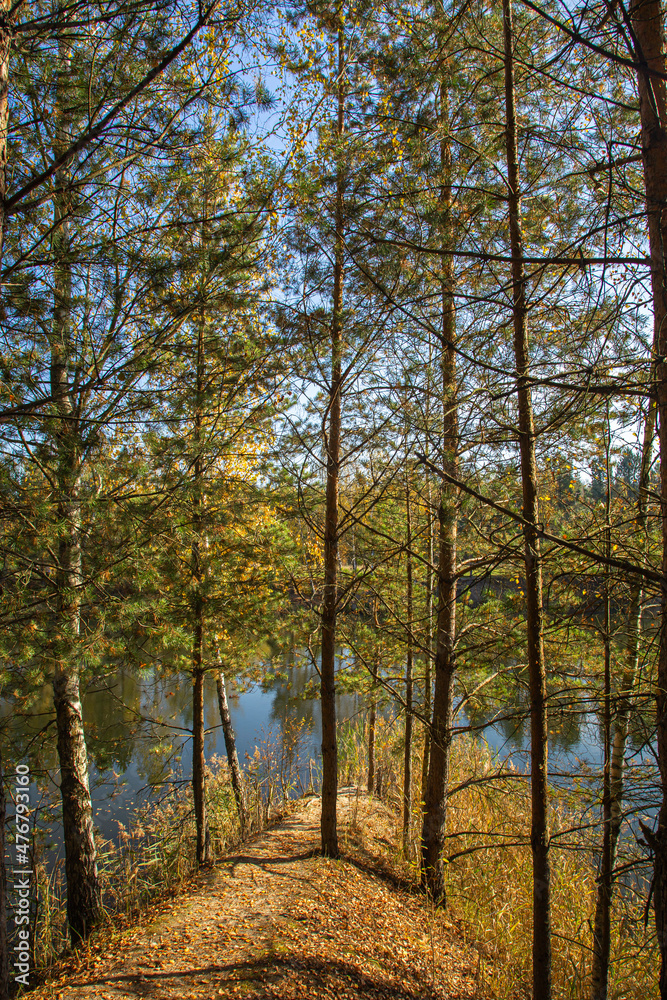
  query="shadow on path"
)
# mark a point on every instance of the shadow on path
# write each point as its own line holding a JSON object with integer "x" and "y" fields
{"x": 282, "y": 978}
{"x": 260, "y": 860}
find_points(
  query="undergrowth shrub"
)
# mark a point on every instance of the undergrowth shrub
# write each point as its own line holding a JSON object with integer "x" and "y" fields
{"x": 155, "y": 848}
{"x": 489, "y": 875}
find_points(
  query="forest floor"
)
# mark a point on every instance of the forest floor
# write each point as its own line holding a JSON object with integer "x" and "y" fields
{"x": 277, "y": 920}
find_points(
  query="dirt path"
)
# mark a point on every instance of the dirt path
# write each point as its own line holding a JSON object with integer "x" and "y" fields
{"x": 276, "y": 920}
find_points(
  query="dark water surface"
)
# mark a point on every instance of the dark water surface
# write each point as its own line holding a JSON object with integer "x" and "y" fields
{"x": 137, "y": 730}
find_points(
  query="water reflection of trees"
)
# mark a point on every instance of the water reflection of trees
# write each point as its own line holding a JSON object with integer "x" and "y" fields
{"x": 137, "y": 724}
{"x": 510, "y": 721}
{"x": 295, "y": 698}
{"x": 110, "y": 720}
{"x": 125, "y": 711}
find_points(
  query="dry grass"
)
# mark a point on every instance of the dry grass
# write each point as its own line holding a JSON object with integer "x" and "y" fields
{"x": 155, "y": 850}
{"x": 278, "y": 920}
{"x": 489, "y": 879}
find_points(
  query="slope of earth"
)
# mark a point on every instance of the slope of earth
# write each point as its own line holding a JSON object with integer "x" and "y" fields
{"x": 276, "y": 920}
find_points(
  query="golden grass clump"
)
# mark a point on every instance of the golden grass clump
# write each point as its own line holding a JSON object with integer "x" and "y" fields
{"x": 154, "y": 850}
{"x": 489, "y": 876}
{"x": 489, "y": 882}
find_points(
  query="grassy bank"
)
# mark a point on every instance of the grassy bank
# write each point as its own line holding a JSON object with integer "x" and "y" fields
{"x": 489, "y": 877}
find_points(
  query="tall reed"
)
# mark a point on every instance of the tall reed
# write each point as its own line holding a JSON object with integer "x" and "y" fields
{"x": 489, "y": 876}
{"x": 154, "y": 850}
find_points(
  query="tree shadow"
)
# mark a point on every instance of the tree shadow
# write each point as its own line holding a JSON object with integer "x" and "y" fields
{"x": 276, "y": 977}
{"x": 259, "y": 860}
{"x": 377, "y": 868}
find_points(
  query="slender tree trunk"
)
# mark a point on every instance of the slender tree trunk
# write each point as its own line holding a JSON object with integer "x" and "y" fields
{"x": 4, "y": 948}
{"x": 372, "y": 719}
{"x": 428, "y": 584}
{"x": 198, "y": 760}
{"x": 539, "y": 835}
{"x": 649, "y": 30}
{"x": 618, "y": 739}
{"x": 83, "y": 893}
{"x": 435, "y": 805}
{"x": 5, "y": 48}
{"x": 230, "y": 746}
{"x": 602, "y": 926}
{"x": 372, "y": 714}
{"x": 198, "y": 729}
{"x": 332, "y": 448}
{"x": 407, "y": 765}
{"x": 427, "y": 673}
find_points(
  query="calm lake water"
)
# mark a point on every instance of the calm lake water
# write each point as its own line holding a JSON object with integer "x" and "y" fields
{"x": 137, "y": 730}
{"x": 137, "y": 733}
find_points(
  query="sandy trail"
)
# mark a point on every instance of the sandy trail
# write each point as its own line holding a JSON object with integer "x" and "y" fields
{"x": 277, "y": 920}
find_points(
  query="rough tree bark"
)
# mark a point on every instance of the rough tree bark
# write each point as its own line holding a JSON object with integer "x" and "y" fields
{"x": 427, "y": 667}
{"x": 602, "y": 925}
{"x": 428, "y": 584}
{"x": 230, "y": 746}
{"x": 407, "y": 760}
{"x": 83, "y": 892}
{"x": 5, "y": 49}
{"x": 372, "y": 720}
{"x": 539, "y": 835}
{"x": 329, "y": 827}
{"x": 435, "y": 804}
{"x": 618, "y": 738}
{"x": 372, "y": 711}
{"x": 198, "y": 760}
{"x": 203, "y": 847}
{"x": 648, "y": 26}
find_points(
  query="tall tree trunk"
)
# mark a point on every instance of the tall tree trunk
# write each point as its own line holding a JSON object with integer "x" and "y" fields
{"x": 230, "y": 746}
{"x": 602, "y": 925}
{"x": 435, "y": 805}
{"x": 83, "y": 892}
{"x": 332, "y": 449}
{"x": 4, "y": 948}
{"x": 372, "y": 714}
{"x": 198, "y": 760}
{"x": 428, "y": 584}
{"x": 407, "y": 762}
{"x": 426, "y": 756}
{"x": 539, "y": 835}
{"x": 649, "y": 30}
{"x": 372, "y": 721}
{"x": 618, "y": 739}
{"x": 198, "y": 730}
{"x": 5, "y": 48}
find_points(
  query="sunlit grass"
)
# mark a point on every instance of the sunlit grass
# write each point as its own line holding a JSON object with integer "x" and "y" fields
{"x": 489, "y": 879}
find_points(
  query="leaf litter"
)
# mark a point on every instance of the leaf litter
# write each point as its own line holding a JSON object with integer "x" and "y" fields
{"x": 276, "y": 920}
